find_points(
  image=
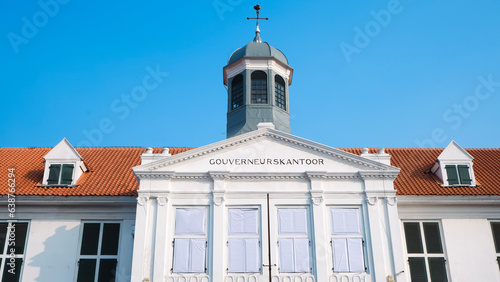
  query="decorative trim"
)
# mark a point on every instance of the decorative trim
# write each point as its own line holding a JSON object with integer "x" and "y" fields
{"x": 378, "y": 174}
{"x": 162, "y": 201}
{"x": 218, "y": 198}
{"x": 218, "y": 175}
{"x": 317, "y": 198}
{"x": 386, "y": 169}
{"x": 372, "y": 200}
{"x": 391, "y": 201}
{"x": 154, "y": 174}
{"x": 316, "y": 175}
{"x": 141, "y": 201}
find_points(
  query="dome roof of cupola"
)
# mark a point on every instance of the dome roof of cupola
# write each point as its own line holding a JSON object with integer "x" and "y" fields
{"x": 257, "y": 50}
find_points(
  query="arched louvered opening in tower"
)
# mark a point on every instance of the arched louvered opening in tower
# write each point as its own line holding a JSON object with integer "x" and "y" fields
{"x": 237, "y": 92}
{"x": 259, "y": 87}
{"x": 280, "y": 92}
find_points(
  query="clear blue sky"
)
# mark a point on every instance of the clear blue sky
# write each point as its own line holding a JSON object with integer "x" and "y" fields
{"x": 366, "y": 73}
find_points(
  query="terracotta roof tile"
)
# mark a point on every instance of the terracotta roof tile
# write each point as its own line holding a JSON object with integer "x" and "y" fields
{"x": 415, "y": 177}
{"x": 109, "y": 171}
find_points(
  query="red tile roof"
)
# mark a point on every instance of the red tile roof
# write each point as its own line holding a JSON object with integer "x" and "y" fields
{"x": 110, "y": 171}
{"x": 415, "y": 177}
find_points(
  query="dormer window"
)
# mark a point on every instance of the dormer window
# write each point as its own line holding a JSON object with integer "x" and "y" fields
{"x": 60, "y": 174}
{"x": 454, "y": 166}
{"x": 63, "y": 165}
{"x": 458, "y": 175}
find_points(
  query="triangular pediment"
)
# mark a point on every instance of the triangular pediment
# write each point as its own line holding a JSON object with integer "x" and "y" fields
{"x": 264, "y": 151}
{"x": 63, "y": 151}
{"x": 453, "y": 152}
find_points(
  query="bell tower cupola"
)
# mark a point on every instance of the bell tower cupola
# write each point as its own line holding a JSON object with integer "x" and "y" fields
{"x": 257, "y": 77}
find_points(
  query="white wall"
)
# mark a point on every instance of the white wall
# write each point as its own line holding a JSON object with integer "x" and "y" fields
{"x": 471, "y": 250}
{"x": 54, "y": 233}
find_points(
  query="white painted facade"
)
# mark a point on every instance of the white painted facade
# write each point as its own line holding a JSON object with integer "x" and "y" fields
{"x": 55, "y": 226}
{"x": 465, "y": 223}
{"x": 195, "y": 179}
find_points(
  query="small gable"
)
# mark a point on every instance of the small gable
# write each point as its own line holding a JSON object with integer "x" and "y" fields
{"x": 63, "y": 165}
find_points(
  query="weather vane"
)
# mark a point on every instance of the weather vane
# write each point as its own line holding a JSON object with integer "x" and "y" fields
{"x": 257, "y": 30}
{"x": 257, "y": 8}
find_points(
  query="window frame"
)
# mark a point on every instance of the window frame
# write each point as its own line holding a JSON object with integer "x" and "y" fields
{"x": 460, "y": 179}
{"x": 425, "y": 254}
{"x": 496, "y": 244}
{"x": 252, "y": 86}
{"x": 241, "y": 98}
{"x": 6, "y": 251}
{"x": 308, "y": 236}
{"x": 98, "y": 256}
{"x": 246, "y": 236}
{"x": 61, "y": 168}
{"x": 190, "y": 236}
{"x": 360, "y": 235}
{"x": 280, "y": 100}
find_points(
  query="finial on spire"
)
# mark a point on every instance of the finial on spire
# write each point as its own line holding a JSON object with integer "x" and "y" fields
{"x": 257, "y": 30}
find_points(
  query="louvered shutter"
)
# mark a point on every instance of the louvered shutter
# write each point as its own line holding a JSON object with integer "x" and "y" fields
{"x": 463, "y": 171}
{"x": 451, "y": 171}
{"x": 54, "y": 172}
{"x": 67, "y": 174}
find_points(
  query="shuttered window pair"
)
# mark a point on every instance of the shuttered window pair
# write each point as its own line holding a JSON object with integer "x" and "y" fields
{"x": 60, "y": 174}
{"x": 347, "y": 240}
{"x": 425, "y": 252}
{"x": 458, "y": 175}
{"x": 190, "y": 242}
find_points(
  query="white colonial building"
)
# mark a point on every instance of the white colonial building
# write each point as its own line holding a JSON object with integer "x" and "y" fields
{"x": 262, "y": 205}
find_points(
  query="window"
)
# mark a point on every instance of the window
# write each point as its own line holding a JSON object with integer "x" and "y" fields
{"x": 347, "y": 240}
{"x": 243, "y": 242}
{"x": 12, "y": 246}
{"x": 458, "y": 175}
{"x": 60, "y": 174}
{"x": 279, "y": 89}
{"x": 190, "y": 240}
{"x": 293, "y": 240}
{"x": 495, "y": 228}
{"x": 98, "y": 252}
{"x": 425, "y": 252}
{"x": 259, "y": 87}
{"x": 237, "y": 92}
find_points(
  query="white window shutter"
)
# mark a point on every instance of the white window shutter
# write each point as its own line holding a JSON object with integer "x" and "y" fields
{"x": 292, "y": 221}
{"x": 286, "y": 255}
{"x": 181, "y": 256}
{"x": 340, "y": 257}
{"x": 345, "y": 221}
{"x": 243, "y": 222}
{"x": 197, "y": 255}
{"x": 190, "y": 222}
{"x": 356, "y": 261}
{"x": 301, "y": 254}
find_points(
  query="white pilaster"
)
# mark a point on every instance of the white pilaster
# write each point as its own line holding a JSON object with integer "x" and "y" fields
{"x": 320, "y": 237}
{"x": 140, "y": 235}
{"x": 160, "y": 241}
{"x": 217, "y": 247}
